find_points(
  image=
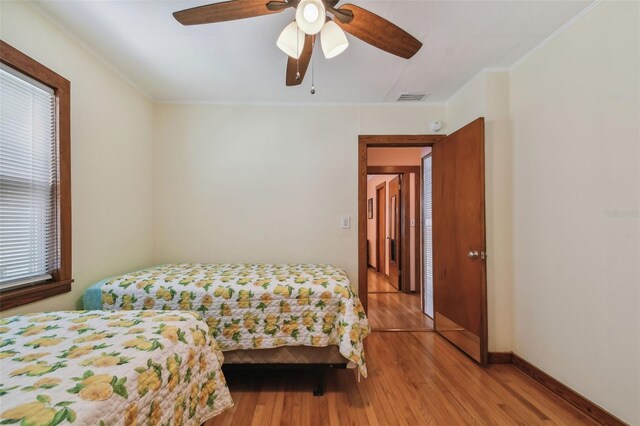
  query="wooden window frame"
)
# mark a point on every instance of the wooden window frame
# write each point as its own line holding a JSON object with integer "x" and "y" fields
{"x": 62, "y": 278}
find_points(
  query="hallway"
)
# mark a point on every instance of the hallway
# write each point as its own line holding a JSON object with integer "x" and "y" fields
{"x": 390, "y": 309}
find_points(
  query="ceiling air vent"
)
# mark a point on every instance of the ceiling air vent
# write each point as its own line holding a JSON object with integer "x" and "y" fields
{"x": 411, "y": 97}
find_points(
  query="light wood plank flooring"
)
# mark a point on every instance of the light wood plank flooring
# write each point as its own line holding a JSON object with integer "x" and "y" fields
{"x": 390, "y": 309}
{"x": 397, "y": 311}
{"x": 378, "y": 283}
{"x": 414, "y": 379}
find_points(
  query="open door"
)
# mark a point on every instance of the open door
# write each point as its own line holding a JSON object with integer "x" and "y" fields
{"x": 394, "y": 232}
{"x": 459, "y": 268}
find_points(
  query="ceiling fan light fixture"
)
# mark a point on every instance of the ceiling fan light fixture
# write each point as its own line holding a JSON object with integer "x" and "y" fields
{"x": 310, "y": 12}
{"x": 310, "y": 16}
{"x": 333, "y": 40}
{"x": 291, "y": 41}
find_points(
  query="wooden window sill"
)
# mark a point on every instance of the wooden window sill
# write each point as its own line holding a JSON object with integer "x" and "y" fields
{"x": 21, "y": 296}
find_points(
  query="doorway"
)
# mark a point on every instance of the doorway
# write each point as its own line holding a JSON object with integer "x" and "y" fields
{"x": 393, "y": 240}
{"x": 457, "y": 240}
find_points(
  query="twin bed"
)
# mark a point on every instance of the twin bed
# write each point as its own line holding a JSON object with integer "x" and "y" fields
{"x": 148, "y": 348}
{"x": 105, "y": 368}
{"x": 253, "y": 306}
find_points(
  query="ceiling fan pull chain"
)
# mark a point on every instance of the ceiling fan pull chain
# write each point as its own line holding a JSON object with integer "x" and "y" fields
{"x": 313, "y": 70}
{"x": 298, "y": 52}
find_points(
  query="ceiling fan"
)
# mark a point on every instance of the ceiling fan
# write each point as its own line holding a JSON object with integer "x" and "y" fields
{"x": 298, "y": 38}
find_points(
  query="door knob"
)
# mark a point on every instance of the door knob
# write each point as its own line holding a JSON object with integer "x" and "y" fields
{"x": 473, "y": 254}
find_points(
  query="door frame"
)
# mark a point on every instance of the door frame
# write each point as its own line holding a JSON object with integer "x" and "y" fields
{"x": 405, "y": 216}
{"x": 377, "y": 141}
{"x": 381, "y": 255}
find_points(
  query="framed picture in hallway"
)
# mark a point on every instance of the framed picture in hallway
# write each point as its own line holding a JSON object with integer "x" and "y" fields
{"x": 370, "y": 208}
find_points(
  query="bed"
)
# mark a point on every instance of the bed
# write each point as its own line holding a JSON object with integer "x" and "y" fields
{"x": 287, "y": 311}
{"x": 103, "y": 368}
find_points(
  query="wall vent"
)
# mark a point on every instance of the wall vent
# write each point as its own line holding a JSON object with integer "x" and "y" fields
{"x": 411, "y": 97}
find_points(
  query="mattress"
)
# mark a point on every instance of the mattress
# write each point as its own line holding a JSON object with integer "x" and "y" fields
{"x": 287, "y": 355}
{"x": 109, "y": 368}
{"x": 250, "y": 306}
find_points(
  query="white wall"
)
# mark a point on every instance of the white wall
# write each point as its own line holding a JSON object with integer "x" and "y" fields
{"x": 487, "y": 95}
{"x": 576, "y": 154}
{"x": 111, "y": 155}
{"x": 265, "y": 183}
{"x": 499, "y": 210}
{"x": 467, "y": 104}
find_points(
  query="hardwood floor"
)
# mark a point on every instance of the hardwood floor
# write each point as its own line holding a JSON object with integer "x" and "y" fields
{"x": 397, "y": 311}
{"x": 414, "y": 379}
{"x": 390, "y": 309}
{"x": 378, "y": 283}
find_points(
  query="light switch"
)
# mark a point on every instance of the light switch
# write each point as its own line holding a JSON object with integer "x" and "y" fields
{"x": 345, "y": 222}
{"x": 413, "y": 223}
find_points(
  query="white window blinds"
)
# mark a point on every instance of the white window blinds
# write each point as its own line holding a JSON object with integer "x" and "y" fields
{"x": 428, "y": 240}
{"x": 28, "y": 178}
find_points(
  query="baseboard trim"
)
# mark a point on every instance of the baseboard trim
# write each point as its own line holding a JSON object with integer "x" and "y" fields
{"x": 586, "y": 406}
{"x": 500, "y": 357}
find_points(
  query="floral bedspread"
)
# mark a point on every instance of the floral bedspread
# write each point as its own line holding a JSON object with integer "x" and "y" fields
{"x": 253, "y": 306}
{"x": 109, "y": 368}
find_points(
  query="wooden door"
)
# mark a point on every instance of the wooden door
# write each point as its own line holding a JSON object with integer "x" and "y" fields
{"x": 459, "y": 268}
{"x": 394, "y": 233}
{"x": 381, "y": 225}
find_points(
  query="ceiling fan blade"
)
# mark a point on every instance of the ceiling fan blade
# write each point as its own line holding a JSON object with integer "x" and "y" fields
{"x": 228, "y": 11}
{"x": 345, "y": 16}
{"x": 303, "y": 62}
{"x": 379, "y": 32}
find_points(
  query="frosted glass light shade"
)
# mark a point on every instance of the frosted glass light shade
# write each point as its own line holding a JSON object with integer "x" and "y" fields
{"x": 310, "y": 16}
{"x": 291, "y": 41}
{"x": 333, "y": 40}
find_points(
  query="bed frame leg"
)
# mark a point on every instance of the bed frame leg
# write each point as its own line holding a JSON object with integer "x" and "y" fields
{"x": 322, "y": 381}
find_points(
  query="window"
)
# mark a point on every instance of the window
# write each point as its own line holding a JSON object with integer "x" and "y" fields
{"x": 35, "y": 204}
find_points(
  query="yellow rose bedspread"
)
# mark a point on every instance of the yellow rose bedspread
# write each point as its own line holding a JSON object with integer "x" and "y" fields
{"x": 109, "y": 368}
{"x": 253, "y": 306}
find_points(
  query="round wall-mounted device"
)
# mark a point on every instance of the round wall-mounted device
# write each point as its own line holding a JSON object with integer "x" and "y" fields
{"x": 435, "y": 126}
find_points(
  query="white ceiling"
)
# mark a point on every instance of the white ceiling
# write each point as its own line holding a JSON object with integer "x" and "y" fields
{"x": 239, "y": 62}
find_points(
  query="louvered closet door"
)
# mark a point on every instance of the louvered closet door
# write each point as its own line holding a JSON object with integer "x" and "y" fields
{"x": 427, "y": 235}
